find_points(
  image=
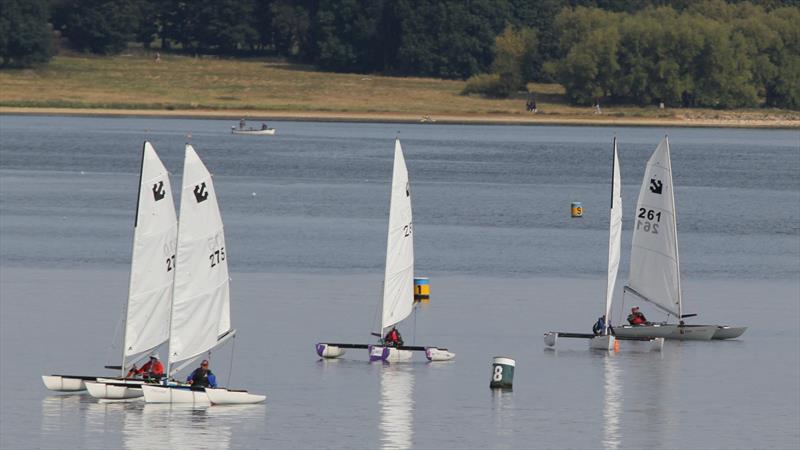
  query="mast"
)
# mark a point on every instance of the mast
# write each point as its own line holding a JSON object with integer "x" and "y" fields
{"x": 614, "y": 234}
{"x": 123, "y": 372}
{"x": 675, "y": 233}
{"x": 610, "y": 226}
{"x": 174, "y": 277}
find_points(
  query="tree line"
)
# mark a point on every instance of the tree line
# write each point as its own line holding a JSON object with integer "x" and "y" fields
{"x": 680, "y": 52}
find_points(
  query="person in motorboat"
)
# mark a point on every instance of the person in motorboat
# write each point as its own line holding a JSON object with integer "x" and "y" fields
{"x": 264, "y": 126}
{"x": 151, "y": 370}
{"x": 242, "y": 123}
{"x": 636, "y": 317}
{"x": 202, "y": 376}
{"x": 393, "y": 338}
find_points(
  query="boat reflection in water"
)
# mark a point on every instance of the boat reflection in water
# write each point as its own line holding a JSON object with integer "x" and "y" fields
{"x": 612, "y": 403}
{"x": 59, "y": 413}
{"x": 503, "y": 409}
{"x": 163, "y": 425}
{"x": 397, "y": 405}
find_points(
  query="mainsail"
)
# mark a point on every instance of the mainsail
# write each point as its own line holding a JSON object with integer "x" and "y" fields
{"x": 398, "y": 284}
{"x": 201, "y": 304}
{"x": 655, "y": 271}
{"x": 614, "y": 232}
{"x": 152, "y": 261}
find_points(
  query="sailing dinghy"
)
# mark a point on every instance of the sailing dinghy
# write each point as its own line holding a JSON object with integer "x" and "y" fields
{"x": 398, "y": 285}
{"x": 150, "y": 289}
{"x": 655, "y": 275}
{"x": 200, "y": 317}
{"x": 605, "y": 340}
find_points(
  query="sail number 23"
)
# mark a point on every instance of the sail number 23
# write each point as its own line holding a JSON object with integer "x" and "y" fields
{"x": 651, "y": 220}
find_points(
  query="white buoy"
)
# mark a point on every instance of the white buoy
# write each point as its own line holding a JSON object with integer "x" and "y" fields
{"x": 254, "y": 194}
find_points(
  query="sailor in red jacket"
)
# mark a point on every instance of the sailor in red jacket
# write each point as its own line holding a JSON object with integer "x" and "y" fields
{"x": 393, "y": 338}
{"x": 636, "y": 317}
{"x": 152, "y": 369}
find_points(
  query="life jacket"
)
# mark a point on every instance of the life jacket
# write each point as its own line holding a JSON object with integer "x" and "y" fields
{"x": 155, "y": 369}
{"x": 200, "y": 377}
{"x": 636, "y": 318}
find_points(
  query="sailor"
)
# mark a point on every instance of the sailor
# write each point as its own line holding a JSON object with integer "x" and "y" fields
{"x": 202, "y": 376}
{"x": 636, "y": 317}
{"x": 393, "y": 338}
{"x": 152, "y": 369}
{"x": 599, "y": 326}
{"x": 263, "y": 126}
{"x": 242, "y": 123}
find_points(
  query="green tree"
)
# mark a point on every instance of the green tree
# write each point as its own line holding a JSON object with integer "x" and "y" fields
{"x": 98, "y": 26}
{"x": 348, "y": 36}
{"x": 25, "y": 35}
{"x": 223, "y": 26}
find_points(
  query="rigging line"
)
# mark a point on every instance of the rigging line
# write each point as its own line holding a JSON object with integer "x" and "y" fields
{"x": 377, "y": 311}
{"x": 116, "y": 333}
{"x": 414, "y": 335}
{"x": 230, "y": 369}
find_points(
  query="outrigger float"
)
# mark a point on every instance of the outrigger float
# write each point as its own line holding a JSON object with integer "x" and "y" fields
{"x": 398, "y": 286}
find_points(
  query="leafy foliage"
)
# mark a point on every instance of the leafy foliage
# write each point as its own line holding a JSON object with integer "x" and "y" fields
{"x": 24, "y": 33}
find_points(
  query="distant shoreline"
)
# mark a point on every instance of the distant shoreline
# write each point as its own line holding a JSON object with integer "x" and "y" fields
{"x": 391, "y": 117}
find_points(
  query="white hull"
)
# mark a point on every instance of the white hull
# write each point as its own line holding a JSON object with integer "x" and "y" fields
{"x": 437, "y": 354}
{"x": 652, "y": 345}
{"x": 329, "y": 351}
{"x": 726, "y": 332}
{"x": 172, "y": 394}
{"x": 224, "y": 396}
{"x": 604, "y": 342}
{"x": 693, "y": 333}
{"x": 389, "y": 354}
{"x": 66, "y": 383}
{"x": 114, "y": 389}
{"x": 668, "y": 331}
{"x": 645, "y": 331}
{"x": 267, "y": 132}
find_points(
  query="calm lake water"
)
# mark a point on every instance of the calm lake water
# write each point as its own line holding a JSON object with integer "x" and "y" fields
{"x": 305, "y": 214}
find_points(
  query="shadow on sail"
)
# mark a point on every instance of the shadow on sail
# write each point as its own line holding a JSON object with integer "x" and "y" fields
{"x": 397, "y": 405}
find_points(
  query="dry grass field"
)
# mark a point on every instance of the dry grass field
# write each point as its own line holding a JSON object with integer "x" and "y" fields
{"x": 186, "y": 86}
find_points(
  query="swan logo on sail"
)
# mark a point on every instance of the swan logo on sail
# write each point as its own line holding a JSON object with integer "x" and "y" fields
{"x": 200, "y": 193}
{"x": 158, "y": 191}
{"x": 655, "y": 186}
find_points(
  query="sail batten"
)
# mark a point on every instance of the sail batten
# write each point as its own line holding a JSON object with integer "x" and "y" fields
{"x": 398, "y": 286}
{"x": 201, "y": 304}
{"x": 654, "y": 270}
{"x": 152, "y": 264}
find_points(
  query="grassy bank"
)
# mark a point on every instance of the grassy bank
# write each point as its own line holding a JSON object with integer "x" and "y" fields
{"x": 210, "y": 87}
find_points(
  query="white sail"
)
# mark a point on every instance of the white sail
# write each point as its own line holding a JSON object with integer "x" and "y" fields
{"x": 153, "y": 259}
{"x": 655, "y": 272}
{"x": 398, "y": 283}
{"x": 201, "y": 304}
{"x": 614, "y": 232}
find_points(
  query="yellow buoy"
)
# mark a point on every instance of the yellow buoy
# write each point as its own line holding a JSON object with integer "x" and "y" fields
{"x": 422, "y": 290}
{"x": 577, "y": 209}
